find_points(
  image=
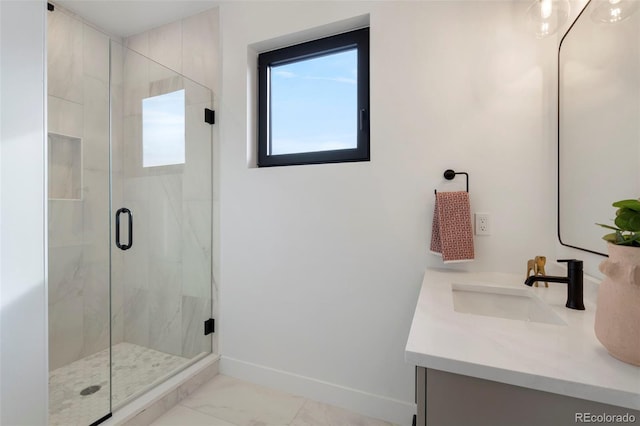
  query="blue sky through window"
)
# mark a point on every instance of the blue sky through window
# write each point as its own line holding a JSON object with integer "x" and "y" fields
{"x": 163, "y": 129}
{"x": 314, "y": 104}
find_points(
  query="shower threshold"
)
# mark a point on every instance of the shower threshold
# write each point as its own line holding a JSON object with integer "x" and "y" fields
{"x": 79, "y": 392}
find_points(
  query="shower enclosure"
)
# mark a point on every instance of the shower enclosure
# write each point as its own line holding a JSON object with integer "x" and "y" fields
{"x": 129, "y": 215}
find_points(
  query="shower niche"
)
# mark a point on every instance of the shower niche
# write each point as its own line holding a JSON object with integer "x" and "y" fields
{"x": 65, "y": 168}
{"x": 125, "y": 134}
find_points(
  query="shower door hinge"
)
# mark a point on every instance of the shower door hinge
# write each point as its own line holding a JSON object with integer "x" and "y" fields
{"x": 209, "y": 326}
{"x": 209, "y": 116}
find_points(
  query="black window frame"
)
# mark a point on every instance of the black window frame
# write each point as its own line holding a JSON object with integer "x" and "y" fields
{"x": 358, "y": 39}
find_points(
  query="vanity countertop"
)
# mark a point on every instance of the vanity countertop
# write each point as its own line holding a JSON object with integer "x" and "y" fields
{"x": 567, "y": 360}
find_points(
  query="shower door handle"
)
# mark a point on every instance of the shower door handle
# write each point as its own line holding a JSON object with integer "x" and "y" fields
{"x": 118, "y": 213}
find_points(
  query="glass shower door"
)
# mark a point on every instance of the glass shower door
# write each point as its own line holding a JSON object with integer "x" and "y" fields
{"x": 161, "y": 222}
{"x": 78, "y": 221}
{"x": 128, "y": 297}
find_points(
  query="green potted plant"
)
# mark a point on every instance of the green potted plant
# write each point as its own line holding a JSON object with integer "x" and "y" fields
{"x": 617, "y": 323}
{"x": 627, "y": 229}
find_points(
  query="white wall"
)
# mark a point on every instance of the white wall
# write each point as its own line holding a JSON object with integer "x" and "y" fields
{"x": 23, "y": 292}
{"x": 321, "y": 265}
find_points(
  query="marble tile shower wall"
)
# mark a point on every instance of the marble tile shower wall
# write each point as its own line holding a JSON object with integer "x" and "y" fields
{"x": 167, "y": 272}
{"x": 78, "y": 109}
{"x": 169, "y": 287}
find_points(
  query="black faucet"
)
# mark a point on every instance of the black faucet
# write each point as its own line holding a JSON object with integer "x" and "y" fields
{"x": 573, "y": 281}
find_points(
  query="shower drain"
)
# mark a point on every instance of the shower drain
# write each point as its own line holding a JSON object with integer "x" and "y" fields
{"x": 89, "y": 390}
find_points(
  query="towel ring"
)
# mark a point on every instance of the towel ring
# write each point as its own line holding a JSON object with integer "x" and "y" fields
{"x": 450, "y": 174}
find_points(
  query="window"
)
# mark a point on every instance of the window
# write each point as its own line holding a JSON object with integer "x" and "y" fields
{"x": 313, "y": 101}
{"x": 163, "y": 129}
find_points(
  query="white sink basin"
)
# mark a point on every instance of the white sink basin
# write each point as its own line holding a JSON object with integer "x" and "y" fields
{"x": 502, "y": 302}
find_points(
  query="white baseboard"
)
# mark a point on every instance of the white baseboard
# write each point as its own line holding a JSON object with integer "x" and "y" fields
{"x": 368, "y": 404}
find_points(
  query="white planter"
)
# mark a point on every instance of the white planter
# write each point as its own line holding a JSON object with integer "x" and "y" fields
{"x": 617, "y": 323}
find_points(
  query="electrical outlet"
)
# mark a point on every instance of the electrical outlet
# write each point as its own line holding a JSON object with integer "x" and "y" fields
{"x": 483, "y": 224}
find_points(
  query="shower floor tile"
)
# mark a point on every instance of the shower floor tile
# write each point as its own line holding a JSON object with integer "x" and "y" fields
{"x": 134, "y": 368}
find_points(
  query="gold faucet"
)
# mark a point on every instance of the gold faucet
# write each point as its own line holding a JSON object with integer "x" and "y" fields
{"x": 537, "y": 266}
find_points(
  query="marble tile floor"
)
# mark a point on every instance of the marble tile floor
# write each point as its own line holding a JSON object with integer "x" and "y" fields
{"x": 134, "y": 368}
{"x": 226, "y": 401}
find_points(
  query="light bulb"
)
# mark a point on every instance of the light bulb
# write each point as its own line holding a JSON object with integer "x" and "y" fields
{"x": 547, "y": 16}
{"x": 615, "y": 13}
{"x": 546, "y": 7}
{"x": 612, "y": 11}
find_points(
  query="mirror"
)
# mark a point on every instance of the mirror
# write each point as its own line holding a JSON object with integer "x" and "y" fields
{"x": 598, "y": 122}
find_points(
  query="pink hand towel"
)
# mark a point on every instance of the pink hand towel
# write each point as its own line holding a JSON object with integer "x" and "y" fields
{"x": 451, "y": 232}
